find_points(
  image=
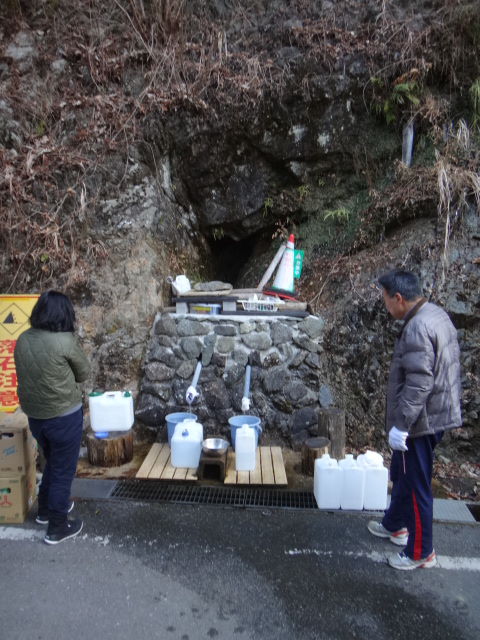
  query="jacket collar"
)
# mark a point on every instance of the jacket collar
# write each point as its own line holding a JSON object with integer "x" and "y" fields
{"x": 413, "y": 312}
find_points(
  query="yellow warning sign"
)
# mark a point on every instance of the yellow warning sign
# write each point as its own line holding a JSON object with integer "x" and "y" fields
{"x": 14, "y": 318}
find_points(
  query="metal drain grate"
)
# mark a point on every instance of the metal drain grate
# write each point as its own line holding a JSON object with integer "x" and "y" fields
{"x": 236, "y": 497}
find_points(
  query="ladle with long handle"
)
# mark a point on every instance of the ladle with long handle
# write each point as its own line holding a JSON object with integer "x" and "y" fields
{"x": 246, "y": 388}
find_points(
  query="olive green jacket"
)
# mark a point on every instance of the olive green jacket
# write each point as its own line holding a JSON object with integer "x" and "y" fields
{"x": 49, "y": 365}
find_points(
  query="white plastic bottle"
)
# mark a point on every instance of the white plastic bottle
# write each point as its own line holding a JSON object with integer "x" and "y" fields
{"x": 352, "y": 485}
{"x": 376, "y": 481}
{"x": 111, "y": 411}
{"x": 327, "y": 482}
{"x": 186, "y": 444}
{"x": 245, "y": 448}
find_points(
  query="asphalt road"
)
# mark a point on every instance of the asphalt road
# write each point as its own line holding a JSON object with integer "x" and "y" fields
{"x": 186, "y": 572}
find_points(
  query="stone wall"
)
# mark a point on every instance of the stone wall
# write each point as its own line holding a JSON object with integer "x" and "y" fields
{"x": 286, "y": 388}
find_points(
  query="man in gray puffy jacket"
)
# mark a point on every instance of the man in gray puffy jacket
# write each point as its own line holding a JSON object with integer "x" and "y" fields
{"x": 423, "y": 401}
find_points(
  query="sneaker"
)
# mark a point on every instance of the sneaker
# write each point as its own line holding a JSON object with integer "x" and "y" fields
{"x": 403, "y": 562}
{"x": 68, "y": 529}
{"x": 43, "y": 518}
{"x": 397, "y": 537}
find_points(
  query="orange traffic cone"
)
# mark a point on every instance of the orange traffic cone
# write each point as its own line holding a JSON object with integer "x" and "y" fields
{"x": 284, "y": 278}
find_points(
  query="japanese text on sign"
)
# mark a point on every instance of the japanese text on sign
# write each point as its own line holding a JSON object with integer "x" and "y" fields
{"x": 14, "y": 319}
{"x": 297, "y": 264}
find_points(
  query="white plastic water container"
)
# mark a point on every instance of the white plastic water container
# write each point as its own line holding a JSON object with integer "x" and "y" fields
{"x": 327, "y": 482}
{"x": 186, "y": 444}
{"x": 352, "y": 483}
{"x": 375, "y": 488}
{"x": 245, "y": 448}
{"x": 111, "y": 411}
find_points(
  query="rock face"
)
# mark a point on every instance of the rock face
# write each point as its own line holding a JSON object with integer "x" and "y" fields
{"x": 122, "y": 169}
{"x": 286, "y": 372}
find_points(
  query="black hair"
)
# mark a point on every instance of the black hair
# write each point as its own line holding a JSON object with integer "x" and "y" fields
{"x": 53, "y": 311}
{"x": 406, "y": 283}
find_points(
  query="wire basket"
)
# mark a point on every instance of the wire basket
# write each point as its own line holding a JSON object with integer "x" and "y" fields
{"x": 259, "y": 305}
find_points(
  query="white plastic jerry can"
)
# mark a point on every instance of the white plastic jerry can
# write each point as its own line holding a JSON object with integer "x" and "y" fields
{"x": 186, "y": 444}
{"x": 352, "y": 484}
{"x": 375, "y": 481}
{"x": 327, "y": 482}
{"x": 375, "y": 488}
{"x": 245, "y": 448}
{"x": 111, "y": 411}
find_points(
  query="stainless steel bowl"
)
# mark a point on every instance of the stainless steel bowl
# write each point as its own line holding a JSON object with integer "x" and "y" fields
{"x": 215, "y": 446}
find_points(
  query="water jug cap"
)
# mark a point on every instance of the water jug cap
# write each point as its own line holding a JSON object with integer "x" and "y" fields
{"x": 185, "y": 433}
{"x": 126, "y": 394}
{"x": 95, "y": 393}
{"x": 373, "y": 459}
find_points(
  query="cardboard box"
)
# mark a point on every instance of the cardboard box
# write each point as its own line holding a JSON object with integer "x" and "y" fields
{"x": 18, "y": 493}
{"x": 18, "y": 448}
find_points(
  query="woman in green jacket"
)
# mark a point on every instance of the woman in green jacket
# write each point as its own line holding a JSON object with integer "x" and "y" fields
{"x": 49, "y": 362}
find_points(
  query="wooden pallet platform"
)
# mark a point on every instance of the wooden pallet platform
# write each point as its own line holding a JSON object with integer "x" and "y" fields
{"x": 269, "y": 468}
{"x": 157, "y": 466}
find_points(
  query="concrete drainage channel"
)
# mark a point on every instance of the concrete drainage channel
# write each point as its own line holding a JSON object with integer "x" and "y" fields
{"x": 246, "y": 497}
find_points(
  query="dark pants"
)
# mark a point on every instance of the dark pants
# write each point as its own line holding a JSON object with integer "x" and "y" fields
{"x": 60, "y": 440}
{"x": 411, "y": 504}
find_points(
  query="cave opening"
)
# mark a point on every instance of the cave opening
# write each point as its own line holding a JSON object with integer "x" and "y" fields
{"x": 240, "y": 262}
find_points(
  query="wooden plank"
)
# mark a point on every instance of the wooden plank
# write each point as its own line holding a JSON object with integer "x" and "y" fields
{"x": 191, "y": 475}
{"x": 278, "y": 466}
{"x": 204, "y": 294}
{"x": 279, "y": 314}
{"x": 205, "y": 298}
{"x": 230, "y": 473}
{"x": 147, "y": 464}
{"x": 168, "y": 471}
{"x": 159, "y": 464}
{"x": 243, "y": 477}
{"x": 267, "y": 466}
{"x": 256, "y": 475}
{"x": 180, "y": 473}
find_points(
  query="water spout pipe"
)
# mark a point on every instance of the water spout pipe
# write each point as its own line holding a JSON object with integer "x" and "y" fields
{"x": 197, "y": 374}
{"x": 407, "y": 143}
{"x": 192, "y": 392}
{"x": 246, "y": 389}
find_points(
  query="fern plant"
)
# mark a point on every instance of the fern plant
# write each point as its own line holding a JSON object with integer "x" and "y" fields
{"x": 402, "y": 98}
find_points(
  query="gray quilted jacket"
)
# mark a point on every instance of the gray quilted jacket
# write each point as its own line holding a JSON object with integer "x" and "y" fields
{"x": 423, "y": 394}
{"x": 49, "y": 365}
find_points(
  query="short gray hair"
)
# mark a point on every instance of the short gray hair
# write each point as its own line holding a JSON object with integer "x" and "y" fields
{"x": 406, "y": 283}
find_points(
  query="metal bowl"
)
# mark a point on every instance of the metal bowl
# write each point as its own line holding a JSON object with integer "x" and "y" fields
{"x": 215, "y": 446}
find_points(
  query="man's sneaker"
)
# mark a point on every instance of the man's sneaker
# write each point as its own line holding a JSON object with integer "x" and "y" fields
{"x": 42, "y": 518}
{"x": 69, "y": 529}
{"x": 397, "y": 537}
{"x": 403, "y": 562}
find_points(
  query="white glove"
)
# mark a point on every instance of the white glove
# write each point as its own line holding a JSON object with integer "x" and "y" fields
{"x": 245, "y": 404}
{"x": 397, "y": 439}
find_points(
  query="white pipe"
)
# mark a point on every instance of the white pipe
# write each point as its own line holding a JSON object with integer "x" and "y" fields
{"x": 246, "y": 388}
{"x": 271, "y": 268}
{"x": 192, "y": 392}
{"x": 197, "y": 375}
